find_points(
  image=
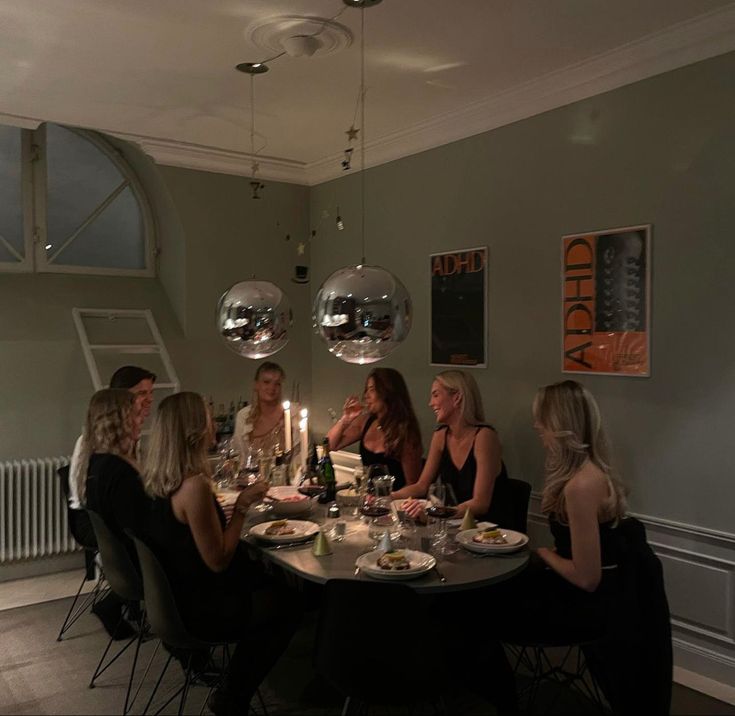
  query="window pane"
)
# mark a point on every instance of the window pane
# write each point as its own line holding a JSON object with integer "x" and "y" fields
{"x": 11, "y": 204}
{"x": 80, "y": 177}
{"x": 113, "y": 239}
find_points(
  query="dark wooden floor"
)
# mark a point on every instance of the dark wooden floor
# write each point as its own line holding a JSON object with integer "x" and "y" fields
{"x": 41, "y": 676}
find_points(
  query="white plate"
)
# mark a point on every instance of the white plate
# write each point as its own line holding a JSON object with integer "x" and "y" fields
{"x": 480, "y": 525}
{"x": 302, "y": 530}
{"x": 420, "y": 562}
{"x": 516, "y": 540}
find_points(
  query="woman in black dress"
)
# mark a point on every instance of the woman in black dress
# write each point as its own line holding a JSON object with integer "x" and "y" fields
{"x": 108, "y": 481}
{"x": 465, "y": 451}
{"x": 385, "y": 425}
{"x": 219, "y": 592}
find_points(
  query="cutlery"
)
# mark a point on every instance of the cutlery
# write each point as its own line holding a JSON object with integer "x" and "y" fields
{"x": 357, "y": 571}
{"x": 286, "y": 545}
{"x": 442, "y": 578}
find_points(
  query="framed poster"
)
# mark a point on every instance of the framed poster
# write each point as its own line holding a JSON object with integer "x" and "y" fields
{"x": 458, "y": 312}
{"x": 606, "y": 302}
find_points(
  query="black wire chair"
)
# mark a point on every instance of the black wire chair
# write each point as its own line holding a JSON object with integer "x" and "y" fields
{"x": 83, "y": 534}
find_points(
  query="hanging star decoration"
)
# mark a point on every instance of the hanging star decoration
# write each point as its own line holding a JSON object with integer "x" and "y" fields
{"x": 352, "y": 133}
{"x": 301, "y": 248}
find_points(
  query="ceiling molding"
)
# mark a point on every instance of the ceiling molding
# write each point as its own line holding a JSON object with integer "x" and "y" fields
{"x": 678, "y": 46}
{"x": 213, "y": 159}
{"x": 16, "y": 120}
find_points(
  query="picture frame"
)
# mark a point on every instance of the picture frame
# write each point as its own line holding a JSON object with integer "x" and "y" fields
{"x": 606, "y": 302}
{"x": 458, "y": 315}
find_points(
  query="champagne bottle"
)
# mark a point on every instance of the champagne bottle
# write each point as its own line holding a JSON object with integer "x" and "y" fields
{"x": 326, "y": 468}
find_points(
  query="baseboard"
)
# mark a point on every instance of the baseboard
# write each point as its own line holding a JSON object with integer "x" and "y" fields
{"x": 705, "y": 685}
{"x": 38, "y": 566}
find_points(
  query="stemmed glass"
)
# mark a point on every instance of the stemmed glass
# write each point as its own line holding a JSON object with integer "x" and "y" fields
{"x": 443, "y": 506}
{"x": 252, "y": 471}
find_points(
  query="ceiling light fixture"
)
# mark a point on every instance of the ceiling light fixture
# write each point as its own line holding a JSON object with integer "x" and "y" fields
{"x": 362, "y": 312}
{"x": 252, "y": 69}
{"x": 253, "y": 317}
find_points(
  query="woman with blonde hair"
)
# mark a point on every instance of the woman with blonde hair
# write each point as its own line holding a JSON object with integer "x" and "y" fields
{"x": 465, "y": 452}
{"x": 565, "y": 593}
{"x": 108, "y": 482}
{"x": 260, "y": 425}
{"x": 385, "y": 426}
{"x": 212, "y": 579}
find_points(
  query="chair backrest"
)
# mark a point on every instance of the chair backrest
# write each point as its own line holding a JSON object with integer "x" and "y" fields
{"x": 509, "y": 507}
{"x": 117, "y": 564}
{"x": 362, "y": 614}
{"x": 63, "y": 475}
{"x": 160, "y": 605}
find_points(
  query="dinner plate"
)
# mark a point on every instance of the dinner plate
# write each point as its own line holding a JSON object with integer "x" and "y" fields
{"x": 420, "y": 562}
{"x": 302, "y": 530}
{"x": 480, "y": 525}
{"x": 516, "y": 541}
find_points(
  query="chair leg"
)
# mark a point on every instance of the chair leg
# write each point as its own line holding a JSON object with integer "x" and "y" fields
{"x": 346, "y": 706}
{"x": 75, "y": 612}
{"x": 101, "y": 669}
{"x": 158, "y": 683}
{"x": 187, "y": 683}
{"x": 141, "y": 632}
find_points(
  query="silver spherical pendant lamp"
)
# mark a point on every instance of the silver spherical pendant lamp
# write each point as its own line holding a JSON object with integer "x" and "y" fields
{"x": 253, "y": 318}
{"x": 362, "y": 312}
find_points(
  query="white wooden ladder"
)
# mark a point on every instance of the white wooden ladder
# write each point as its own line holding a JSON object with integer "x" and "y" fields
{"x": 130, "y": 321}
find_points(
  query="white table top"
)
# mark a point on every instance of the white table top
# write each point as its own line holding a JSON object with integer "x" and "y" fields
{"x": 462, "y": 570}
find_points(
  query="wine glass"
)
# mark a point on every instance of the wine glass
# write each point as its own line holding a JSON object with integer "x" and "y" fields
{"x": 254, "y": 470}
{"x": 378, "y": 507}
{"x": 443, "y": 506}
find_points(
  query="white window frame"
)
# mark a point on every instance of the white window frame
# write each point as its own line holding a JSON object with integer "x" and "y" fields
{"x": 34, "y": 198}
{"x": 26, "y": 198}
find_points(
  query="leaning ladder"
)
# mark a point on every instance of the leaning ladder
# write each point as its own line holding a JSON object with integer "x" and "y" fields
{"x": 169, "y": 382}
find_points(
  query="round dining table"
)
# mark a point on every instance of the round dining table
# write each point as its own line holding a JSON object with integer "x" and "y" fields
{"x": 460, "y": 571}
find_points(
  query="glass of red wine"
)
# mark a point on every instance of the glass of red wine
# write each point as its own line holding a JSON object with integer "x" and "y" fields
{"x": 443, "y": 506}
{"x": 378, "y": 508}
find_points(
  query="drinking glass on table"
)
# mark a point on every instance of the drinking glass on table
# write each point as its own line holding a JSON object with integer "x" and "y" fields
{"x": 252, "y": 472}
{"x": 443, "y": 506}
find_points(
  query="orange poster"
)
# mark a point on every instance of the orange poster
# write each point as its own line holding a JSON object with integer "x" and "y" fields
{"x": 606, "y": 302}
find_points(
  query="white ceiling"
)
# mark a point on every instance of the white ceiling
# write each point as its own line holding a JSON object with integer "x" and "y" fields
{"x": 161, "y": 72}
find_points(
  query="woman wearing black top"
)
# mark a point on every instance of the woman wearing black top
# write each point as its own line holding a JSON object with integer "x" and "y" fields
{"x": 110, "y": 485}
{"x": 212, "y": 579}
{"x": 465, "y": 452}
{"x": 386, "y": 427}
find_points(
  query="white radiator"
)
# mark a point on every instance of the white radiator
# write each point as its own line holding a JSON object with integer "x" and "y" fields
{"x": 33, "y": 510}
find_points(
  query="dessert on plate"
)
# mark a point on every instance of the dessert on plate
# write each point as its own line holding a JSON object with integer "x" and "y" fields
{"x": 493, "y": 536}
{"x": 395, "y": 560}
{"x": 279, "y": 527}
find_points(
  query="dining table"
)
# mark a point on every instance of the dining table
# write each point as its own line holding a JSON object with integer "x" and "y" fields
{"x": 459, "y": 571}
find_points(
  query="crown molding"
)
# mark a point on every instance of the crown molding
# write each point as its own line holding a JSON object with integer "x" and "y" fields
{"x": 680, "y": 45}
{"x": 214, "y": 159}
{"x": 17, "y": 120}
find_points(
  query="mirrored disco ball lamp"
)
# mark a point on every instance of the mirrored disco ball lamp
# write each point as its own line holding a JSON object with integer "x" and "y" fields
{"x": 254, "y": 318}
{"x": 362, "y": 313}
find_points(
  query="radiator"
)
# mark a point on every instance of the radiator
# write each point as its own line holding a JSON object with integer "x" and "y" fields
{"x": 33, "y": 510}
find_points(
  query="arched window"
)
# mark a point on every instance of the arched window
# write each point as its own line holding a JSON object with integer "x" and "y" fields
{"x": 71, "y": 205}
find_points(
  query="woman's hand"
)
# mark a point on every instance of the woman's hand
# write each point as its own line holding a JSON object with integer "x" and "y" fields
{"x": 252, "y": 494}
{"x": 414, "y": 510}
{"x": 351, "y": 409}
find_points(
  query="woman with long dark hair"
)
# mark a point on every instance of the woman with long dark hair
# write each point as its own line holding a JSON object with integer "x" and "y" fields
{"x": 385, "y": 426}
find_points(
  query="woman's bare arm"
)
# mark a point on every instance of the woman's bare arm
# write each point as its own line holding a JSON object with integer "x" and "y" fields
{"x": 584, "y": 495}
{"x": 194, "y": 505}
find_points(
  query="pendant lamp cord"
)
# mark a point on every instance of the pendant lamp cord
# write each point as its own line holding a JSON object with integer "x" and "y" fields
{"x": 362, "y": 121}
{"x": 252, "y": 123}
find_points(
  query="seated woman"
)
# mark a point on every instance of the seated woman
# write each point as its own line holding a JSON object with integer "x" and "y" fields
{"x": 386, "y": 427}
{"x": 465, "y": 452}
{"x": 107, "y": 480}
{"x": 564, "y": 596}
{"x": 260, "y": 425}
{"x": 213, "y": 581}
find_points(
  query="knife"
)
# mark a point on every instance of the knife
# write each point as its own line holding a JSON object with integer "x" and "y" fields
{"x": 442, "y": 578}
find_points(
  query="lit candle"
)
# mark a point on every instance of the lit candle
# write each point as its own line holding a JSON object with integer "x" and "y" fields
{"x": 304, "y": 438}
{"x": 287, "y": 425}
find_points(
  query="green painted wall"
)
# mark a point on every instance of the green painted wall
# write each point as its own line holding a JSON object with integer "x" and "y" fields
{"x": 661, "y": 151}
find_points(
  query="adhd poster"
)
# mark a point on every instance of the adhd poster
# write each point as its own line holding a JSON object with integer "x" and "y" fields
{"x": 606, "y": 302}
{"x": 459, "y": 308}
